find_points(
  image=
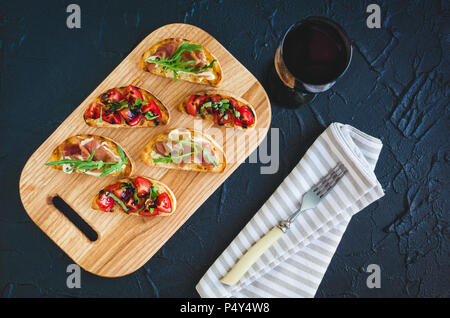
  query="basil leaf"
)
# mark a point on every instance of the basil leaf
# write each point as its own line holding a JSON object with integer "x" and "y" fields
{"x": 153, "y": 192}
{"x": 150, "y": 116}
{"x": 124, "y": 207}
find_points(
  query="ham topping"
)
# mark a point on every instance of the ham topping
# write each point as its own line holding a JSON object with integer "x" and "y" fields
{"x": 204, "y": 158}
{"x": 72, "y": 151}
{"x": 198, "y": 56}
{"x": 81, "y": 151}
{"x": 164, "y": 51}
{"x": 161, "y": 148}
{"x": 168, "y": 49}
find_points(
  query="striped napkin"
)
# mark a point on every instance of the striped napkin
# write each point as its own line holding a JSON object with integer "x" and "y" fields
{"x": 295, "y": 265}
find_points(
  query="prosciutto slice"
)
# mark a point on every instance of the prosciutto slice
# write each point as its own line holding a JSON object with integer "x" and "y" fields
{"x": 72, "y": 151}
{"x": 198, "y": 56}
{"x": 164, "y": 51}
{"x": 161, "y": 148}
{"x": 203, "y": 158}
{"x": 82, "y": 151}
{"x": 167, "y": 50}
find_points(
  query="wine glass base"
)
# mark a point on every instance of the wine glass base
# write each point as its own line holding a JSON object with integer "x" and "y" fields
{"x": 283, "y": 95}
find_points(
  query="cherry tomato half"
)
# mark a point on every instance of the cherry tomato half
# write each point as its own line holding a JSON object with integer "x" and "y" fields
{"x": 132, "y": 205}
{"x": 216, "y": 98}
{"x": 149, "y": 212}
{"x": 132, "y": 93}
{"x": 222, "y": 119}
{"x": 247, "y": 117}
{"x": 142, "y": 186}
{"x": 94, "y": 111}
{"x": 105, "y": 202}
{"x": 113, "y": 95}
{"x": 153, "y": 107}
{"x": 111, "y": 117}
{"x": 194, "y": 103}
{"x": 119, "y": 191}
{"x": 132, "y": 118}
{"x": 163, "y": 203}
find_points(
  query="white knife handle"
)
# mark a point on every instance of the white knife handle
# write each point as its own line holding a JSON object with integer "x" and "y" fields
{"x": 250, "y": 257}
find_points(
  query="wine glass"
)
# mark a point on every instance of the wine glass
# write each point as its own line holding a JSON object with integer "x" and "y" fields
{"x": 311, "y": 56}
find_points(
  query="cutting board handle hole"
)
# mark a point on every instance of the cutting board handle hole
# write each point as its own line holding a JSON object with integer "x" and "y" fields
{"x": 75, "y": 218}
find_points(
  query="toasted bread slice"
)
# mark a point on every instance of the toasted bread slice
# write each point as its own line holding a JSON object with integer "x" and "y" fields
{"x": 188, "y": 163}
{"x": 212, "y": 76}
{"x": 210, "y": 116}
{"x": 112, "y": 146}
{"x": 147, "y": 97}
{"x": 162, "y": 188}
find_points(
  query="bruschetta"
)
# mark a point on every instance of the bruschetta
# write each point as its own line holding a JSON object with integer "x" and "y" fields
{"x": 220, "y": 107}
{"x": 182, "y": 59}
{"x": 126, "y": 107}
{"x": 136, "y": 196}
{"x": 93, "y": 155}
{"x": 185, "y": 149}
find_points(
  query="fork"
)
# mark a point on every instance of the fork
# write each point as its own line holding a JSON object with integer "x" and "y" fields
{"x": 309, "y": 201}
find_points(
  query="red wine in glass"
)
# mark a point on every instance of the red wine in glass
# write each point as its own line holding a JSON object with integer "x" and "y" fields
{"x": 312, "y": 55}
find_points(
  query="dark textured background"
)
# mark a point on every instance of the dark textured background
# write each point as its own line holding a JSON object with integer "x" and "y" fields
{"x": 396, "y": 89}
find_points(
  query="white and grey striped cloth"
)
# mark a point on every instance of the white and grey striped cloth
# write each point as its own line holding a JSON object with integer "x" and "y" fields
{"x": 295, "y": 265}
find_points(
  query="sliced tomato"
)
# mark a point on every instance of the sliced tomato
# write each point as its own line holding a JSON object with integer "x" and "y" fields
{"x": 113, "y": 95}
{"x": 94, "y": 111}
{"x": 194, "y": 103}
{"x": 111, "y": 117}
{"x": 122, "y": 193}
{"x": 142, "y": 186}
{"x": 132, "y": 118}
{"x": 233, "y": 103}
{"x": 132, "y": 205}
{"x": 246, "y": 119}
{"x": 216, "y": 98}
{"x": 149, "y": 212}
{"x": 105, "y": 202}
{"x": 153, "y": 107}
{"x": 163, "y": 203}
{"x": 190, "y": 106}
{"x": 117, "y": 118}
{"x": 111, "y": 188}
{"x": 222, "y": 119}
{"x": 132, "y": 93}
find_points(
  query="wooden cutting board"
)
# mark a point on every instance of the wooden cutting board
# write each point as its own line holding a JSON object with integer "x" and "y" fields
{"x": 125, "y": 243}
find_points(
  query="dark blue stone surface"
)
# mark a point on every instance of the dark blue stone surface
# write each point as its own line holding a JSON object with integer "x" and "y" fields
{"x": 396, "y": 89}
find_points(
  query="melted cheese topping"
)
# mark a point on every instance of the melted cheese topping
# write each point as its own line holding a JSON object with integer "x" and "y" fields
{"x": 85, "y": 141}
{"x": 176, "y": 133}
{"x": 209, "y": 75}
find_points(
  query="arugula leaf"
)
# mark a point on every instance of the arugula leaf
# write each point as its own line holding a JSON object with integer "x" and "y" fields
{"x": 175, "y": 63}
{"x": 124, "y": 207}
{"x": 172, "y": 158}
{"x": 88, "y": 164}
{"x": 196, "y": 146}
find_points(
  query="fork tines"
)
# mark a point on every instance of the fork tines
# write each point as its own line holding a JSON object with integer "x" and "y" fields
{"x": 329, "y": 181}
